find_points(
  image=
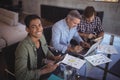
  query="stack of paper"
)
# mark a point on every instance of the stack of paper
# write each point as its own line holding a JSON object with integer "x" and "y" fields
{"x": 108, "y": 49}
{"x": 73, "y": 61}
{"x": 97, "y": 59}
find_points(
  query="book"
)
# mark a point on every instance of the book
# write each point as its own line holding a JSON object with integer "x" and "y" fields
{"x": 97, "y": 59}
{"x": 73, "y": 61}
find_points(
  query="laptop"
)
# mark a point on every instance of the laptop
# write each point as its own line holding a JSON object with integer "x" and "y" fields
{"x": 86, "y": 52}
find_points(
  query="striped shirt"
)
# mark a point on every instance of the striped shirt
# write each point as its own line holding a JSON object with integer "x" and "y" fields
{"x": 94, "y": 27}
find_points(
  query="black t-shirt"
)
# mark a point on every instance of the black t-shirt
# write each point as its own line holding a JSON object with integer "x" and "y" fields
{"x": 40, "y": 57}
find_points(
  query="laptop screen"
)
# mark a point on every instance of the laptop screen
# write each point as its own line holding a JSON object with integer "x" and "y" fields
{"x": 90, "y": 50}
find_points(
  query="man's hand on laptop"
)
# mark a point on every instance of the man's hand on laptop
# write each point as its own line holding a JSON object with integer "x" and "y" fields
{"x": 78, "y": 49}
{"x": 75, "y": 49}
{"x": 91, "y": 36}
{"x": 85, "y": 44}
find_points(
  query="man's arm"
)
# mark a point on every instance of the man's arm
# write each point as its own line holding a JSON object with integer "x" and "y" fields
{"x": 77, "y": 37}
{"x": 56, "y": 36}
{"x": 101, "y": 34}
{"x": 83, "y": 35}
{"x": 99, "y": 29}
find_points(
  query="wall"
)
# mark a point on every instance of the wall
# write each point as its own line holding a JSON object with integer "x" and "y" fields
{"x": 111, "y": 18}
{"x": 29, "y": 6}
{"x": 15, "y": 2}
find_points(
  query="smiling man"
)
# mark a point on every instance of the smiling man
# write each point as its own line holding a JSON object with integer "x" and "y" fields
{"x": 31, "y": 53}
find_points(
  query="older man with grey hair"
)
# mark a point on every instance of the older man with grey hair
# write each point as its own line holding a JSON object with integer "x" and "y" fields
{"x": 65, "y": 30}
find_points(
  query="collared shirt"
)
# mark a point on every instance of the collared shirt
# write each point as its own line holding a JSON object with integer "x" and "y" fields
{"x": 62, "y": 35}
{"x": 26, "y": 59}
{"x": 94, "y": 27}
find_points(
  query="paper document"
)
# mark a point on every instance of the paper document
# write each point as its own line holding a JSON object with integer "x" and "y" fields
{"x": 73, "y": 61}
{"x": 108, "y": 49}
{"x": 97, "y": 59}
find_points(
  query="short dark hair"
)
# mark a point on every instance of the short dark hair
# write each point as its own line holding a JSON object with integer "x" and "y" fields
{"x": 29, "y": 18}
{"x": 89, "y": 11}
{"x": 74, "y": 13}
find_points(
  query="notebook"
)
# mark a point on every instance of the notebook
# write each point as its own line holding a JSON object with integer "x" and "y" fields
{"x": 98, "y": 59}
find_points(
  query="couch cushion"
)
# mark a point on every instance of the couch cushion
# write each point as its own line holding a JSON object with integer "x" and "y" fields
{"x": 9, "y": 14}
{"x": 7, "y": 20}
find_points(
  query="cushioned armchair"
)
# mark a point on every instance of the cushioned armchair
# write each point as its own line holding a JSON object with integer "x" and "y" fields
{"x": 9, "y": 55}
{"x": 47, "y": 31}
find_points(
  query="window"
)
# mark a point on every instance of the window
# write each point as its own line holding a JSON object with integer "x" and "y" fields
{"x": 108, "y": 0}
